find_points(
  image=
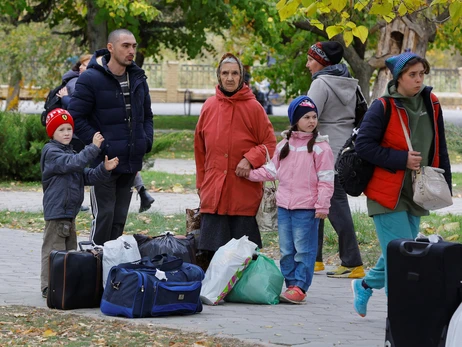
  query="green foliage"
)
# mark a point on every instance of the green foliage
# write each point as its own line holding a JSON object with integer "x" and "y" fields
{"x": 453, "y": 136}
{"x": 167, "y": 140}
{"x": 21, "y": 142}
{"x": 36, "y": 52}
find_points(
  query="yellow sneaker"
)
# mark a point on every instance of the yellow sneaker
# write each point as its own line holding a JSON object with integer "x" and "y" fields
{"x": 347, "y": 272}
{"x": 318, "y": 266}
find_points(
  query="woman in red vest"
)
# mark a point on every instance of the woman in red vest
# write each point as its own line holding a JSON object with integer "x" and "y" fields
{"x": 382, "y": 142}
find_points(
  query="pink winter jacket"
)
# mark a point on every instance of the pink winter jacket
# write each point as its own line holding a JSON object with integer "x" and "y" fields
{"x": 306, "y": 180}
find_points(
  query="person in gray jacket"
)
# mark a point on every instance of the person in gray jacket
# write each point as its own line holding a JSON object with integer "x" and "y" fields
{"x": 64, "y": 175}
{"x": 333, "y": 90}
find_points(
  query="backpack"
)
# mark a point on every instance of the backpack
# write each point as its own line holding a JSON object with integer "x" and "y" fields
{"x": 361, "y": 107}
{"x": 354, "y": 173}
{"x": 53, "y": 101}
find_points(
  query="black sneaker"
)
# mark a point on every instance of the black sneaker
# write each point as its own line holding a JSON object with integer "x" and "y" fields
{"x": 45, "y": 293}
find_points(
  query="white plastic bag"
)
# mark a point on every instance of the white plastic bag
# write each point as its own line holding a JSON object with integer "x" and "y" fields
{"x": 122, "y": 250}
{"x": 225, "y": 269}
{"x": 454, "y": 336}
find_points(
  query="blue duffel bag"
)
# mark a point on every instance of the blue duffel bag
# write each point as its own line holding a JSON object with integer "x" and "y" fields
{"x": 161, "y": 286}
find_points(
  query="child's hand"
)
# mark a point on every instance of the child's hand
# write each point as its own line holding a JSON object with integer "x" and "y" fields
{"x": 98, "y": 139}
{"x": 110, "y": 164}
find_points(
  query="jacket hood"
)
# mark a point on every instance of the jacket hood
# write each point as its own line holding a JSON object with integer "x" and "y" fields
{"x": 392, "y": 92}
{"x": 102, "y": 56}
{"x": 245, "y": 93}
{"x": 343, "y": 87}
{"x": 304, "y": 135}
{"x": 333, "y": 70}
{"x": 70, "y": 74}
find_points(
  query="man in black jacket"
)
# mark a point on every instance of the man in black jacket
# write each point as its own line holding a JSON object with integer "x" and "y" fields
{"x": 112, "y": 97}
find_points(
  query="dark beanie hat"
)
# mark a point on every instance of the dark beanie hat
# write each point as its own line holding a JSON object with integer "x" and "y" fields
{"x": 326, "y": 53}
{"x": 299, "y": 107}
{"x": 396, "y": 63}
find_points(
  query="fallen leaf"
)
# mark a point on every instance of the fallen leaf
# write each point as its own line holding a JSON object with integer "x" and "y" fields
{"x": 48, "y": 333}
{"x": 452, "y": 226}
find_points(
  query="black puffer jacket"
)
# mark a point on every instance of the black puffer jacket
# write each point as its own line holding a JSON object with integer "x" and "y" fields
{"x": 64, "y": 175}
{"x": 98, "y": 105}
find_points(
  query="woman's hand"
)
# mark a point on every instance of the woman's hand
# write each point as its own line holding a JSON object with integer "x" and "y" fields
{"x": 413, "y": 160}
{"x": 243, "y": 168}
{"x": 62, "y": 92}
{"x": 320, "y": 215}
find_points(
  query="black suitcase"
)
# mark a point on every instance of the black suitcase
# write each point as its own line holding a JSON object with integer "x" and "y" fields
{"x": 424, "y": 290}
{"x": 75, "y": 278}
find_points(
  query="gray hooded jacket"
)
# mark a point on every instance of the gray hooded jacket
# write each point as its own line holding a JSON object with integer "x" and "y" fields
{"x": 335, "y": 98}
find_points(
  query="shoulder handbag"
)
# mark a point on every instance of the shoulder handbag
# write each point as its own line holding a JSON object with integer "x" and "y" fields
{"x": 431, "y": 191}
{"x": 267, "y": 215}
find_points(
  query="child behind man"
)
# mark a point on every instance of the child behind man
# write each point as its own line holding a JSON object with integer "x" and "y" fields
{"x": 64, "y": 174}
{"x": 304, "y": 165}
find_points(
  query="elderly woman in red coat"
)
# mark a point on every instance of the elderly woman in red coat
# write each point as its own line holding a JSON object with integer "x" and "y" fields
{"x": 230, "y": 139}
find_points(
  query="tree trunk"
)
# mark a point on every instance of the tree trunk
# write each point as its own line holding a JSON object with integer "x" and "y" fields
{"x": 411, "y": 32}
{"x": 96, "y": 29}
{"x": 14, "y": 88}
{"x": 139, "y": 59}
{"x": 361, "y": 69}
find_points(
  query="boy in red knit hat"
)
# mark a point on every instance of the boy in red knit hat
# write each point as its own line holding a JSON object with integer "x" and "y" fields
{"x": 64, "y": 175}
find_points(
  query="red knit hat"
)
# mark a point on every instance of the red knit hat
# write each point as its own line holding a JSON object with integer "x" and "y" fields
{"x": 57, "y": 117}
{"x": 326, "y": 53}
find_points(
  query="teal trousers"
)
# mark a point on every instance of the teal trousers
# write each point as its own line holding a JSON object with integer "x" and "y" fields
{"x": 390, "y": 226}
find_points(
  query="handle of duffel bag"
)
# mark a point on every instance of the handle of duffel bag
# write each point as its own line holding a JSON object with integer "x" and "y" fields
{"x": 414, "y": 249}
{"x": 163, "y": 262}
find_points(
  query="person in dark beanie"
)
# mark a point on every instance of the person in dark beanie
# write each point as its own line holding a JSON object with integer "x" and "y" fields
{"x": 303, "y": 164}
{"x": 389, "y": 192}
{"x": 333, "y": 90}
{"x": 64, "y": 175}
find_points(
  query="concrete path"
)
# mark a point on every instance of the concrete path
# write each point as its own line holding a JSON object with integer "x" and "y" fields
{"x": 327, "y": 319}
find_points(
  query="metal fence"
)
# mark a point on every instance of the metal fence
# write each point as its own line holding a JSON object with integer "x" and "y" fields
{"x": 201, "y": 76}
{"x": 155, "y": 74}
{"x": 444, "y": 80}
{"x": 197, "y": 76}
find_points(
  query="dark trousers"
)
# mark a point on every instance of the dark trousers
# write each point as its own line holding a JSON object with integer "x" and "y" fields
{"x": 110, "y": 201}
{"x": 342, "y": 222}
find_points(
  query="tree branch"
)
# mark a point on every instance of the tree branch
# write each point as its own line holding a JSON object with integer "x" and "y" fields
{"x": 305, "y": 25}
{"x": 39, "y": 13}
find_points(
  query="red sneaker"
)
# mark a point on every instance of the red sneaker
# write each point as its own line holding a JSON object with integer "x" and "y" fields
{"x": 293, "y": 295}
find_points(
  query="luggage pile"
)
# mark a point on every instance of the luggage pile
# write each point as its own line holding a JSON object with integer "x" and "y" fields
{"x": 139, "y": 276}
{"x": 133, "y": 276}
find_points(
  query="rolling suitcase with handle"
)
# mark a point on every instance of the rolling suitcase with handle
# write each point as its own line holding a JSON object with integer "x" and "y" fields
{"x": 75, "y": 278}
{"x": 424, "y": 290}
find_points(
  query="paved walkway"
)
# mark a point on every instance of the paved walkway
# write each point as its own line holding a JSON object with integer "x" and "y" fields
{"x": 326, "y": 320}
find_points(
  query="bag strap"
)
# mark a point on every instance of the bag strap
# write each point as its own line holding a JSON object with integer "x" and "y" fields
{"x": 406, "y": 135}
{"x": 268, "y": 160}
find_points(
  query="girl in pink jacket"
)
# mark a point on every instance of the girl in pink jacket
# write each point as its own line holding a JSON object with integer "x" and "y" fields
{"x": 304, "y": 166}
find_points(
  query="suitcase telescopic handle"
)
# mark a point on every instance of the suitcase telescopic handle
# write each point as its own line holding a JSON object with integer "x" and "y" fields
{"x": 414, "y": 249}
{"x": 86, "y": 243}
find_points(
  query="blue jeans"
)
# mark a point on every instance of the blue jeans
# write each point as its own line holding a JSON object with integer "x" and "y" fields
{"x": 298, "y": 239}
{"x": 390, "y": 226}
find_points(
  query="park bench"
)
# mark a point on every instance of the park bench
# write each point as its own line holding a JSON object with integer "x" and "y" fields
{"x": 195, "y": 95}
